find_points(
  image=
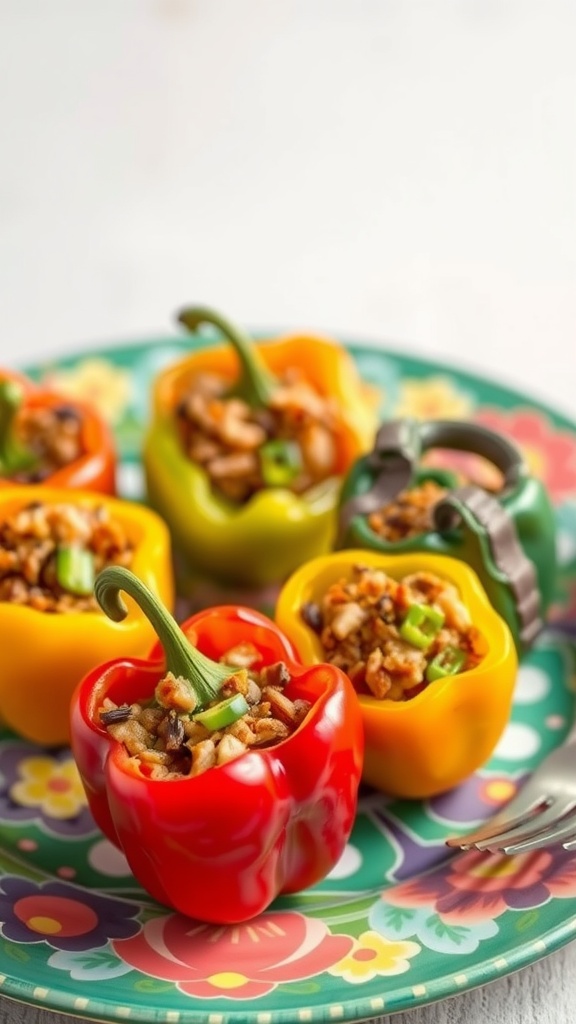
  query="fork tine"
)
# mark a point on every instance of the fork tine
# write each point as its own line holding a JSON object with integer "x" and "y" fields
{"x": 549, "y": 816}
{"x": 518, "y": 812}
{"x": 563, "y": 829}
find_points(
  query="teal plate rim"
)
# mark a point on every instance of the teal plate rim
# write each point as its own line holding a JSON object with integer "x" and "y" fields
{"x": 496, "y": 956}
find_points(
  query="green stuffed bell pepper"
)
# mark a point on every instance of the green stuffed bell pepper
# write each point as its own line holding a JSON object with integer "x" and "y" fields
{"x": 392, "y": 502}
{"x": 248, "y": 447}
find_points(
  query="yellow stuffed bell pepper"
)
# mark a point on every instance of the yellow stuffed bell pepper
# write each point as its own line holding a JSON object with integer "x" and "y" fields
{"x": 247, "y": 475}
{"x": 52, "y": 543}
{"x": 419, "y": 630}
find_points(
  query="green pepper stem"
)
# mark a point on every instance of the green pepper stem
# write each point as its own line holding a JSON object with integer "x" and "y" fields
{"x": 255, "y": 384}
{"x": 13, "y": 455}
{"x": 182, "y": 658}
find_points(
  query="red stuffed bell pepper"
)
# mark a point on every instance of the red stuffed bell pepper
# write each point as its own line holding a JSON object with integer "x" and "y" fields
{"x": 47, "y": 438}
{"x": 218, "y": 838}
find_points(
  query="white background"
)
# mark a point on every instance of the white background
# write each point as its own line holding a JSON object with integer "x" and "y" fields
{"x": 383, "y": 169}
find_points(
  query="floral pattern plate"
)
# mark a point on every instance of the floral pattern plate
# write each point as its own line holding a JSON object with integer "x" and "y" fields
{"x": 400, "y": 921}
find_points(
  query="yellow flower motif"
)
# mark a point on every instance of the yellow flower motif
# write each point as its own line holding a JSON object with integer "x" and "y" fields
{"x": 97, "y": 382}
{"x": 53, "y": 786}
{"x": 373, "y": 956}
{"x": 434, "y": 398}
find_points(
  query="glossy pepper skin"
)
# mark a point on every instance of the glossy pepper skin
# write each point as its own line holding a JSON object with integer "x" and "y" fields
{"x": 508, "y": 538}
{"x": 222, "y": 845}
{"x": 257, "y": 543}
{"x": 95, "y": 469}
{"x": 431, "y": 742}
{"x": 45, "y": 655}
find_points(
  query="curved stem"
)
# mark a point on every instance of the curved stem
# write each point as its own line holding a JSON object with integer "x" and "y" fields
{"x": 255, "y": 384}
{"x": 182, "y": 659}
{"x": 13, "y": 455}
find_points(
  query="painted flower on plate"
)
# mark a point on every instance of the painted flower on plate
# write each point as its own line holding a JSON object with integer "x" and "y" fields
{"x": 480, "y": 886}
{"x": 43, "y": 786}
{"x": 63, "y": 916}
{"x": 242, "y": 961}
{"x": 433, "y": 398}
{"x": 98, "y": 382}
{"x": 52, "y": 786}
{"x": 375, "y": 956}
{"x": 429, "y": 929}
{"x": 550, "y": 453}
{"x": 89, "y": 964}
{"x": 474, "y": 800}
{"x": 468, "y": 467}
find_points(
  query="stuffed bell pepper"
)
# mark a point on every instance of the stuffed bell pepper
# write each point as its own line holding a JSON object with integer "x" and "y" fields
{"x": 433, "y": 664}
{"x": 53, "y": 542}
{"x": 226, "y": 771}
{"x": 394, "y": 501}
{"x": 46, "y": 438}
{"x": 247, "y": 449}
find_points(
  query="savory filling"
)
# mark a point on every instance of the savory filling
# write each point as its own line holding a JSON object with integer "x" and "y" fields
{"x": 50, "y": 555}
{"x": 53, "y": 437}
{"x": 394, "y": 637}
{"x": 289, "y": 443}
{"x": 409, "y": 514}
{"x": 170, "y": 737}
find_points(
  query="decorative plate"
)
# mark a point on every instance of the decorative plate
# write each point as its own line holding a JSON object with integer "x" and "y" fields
{"x": 401, "y": 921}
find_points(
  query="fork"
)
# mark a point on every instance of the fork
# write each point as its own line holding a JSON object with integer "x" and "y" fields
{"x": 543, "y": 813}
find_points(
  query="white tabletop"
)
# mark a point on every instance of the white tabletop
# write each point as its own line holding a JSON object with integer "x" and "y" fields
{"x": 397, "y": 172}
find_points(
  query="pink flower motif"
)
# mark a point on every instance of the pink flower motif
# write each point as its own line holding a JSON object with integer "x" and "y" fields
{"x": 242, "y": 961}
{"x": 481, "y": 886}
{"x": 550, "y": 453}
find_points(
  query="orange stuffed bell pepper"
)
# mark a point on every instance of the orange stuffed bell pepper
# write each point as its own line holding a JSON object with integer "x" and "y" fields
{"x": 52, "y": 544}
{"x": 51, "y": 439}
{"x": 433, "y": 664}
{"x": 247, "y": 448}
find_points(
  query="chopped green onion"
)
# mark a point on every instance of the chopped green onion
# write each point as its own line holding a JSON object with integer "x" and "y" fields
{"x": 447, "y": 663}
{"x": 224, "y": 713}
{"x": 421, "y": 625}
{"x": 280, "y": 462}
{"x": 75, "y": 570}
{"x": 14, "y": 456}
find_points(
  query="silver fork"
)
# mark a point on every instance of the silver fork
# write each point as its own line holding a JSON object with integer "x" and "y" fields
{"x": 543, "y": 813}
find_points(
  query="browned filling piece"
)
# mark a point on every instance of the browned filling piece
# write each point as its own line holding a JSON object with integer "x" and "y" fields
{"x": 53, "y": 435}
{"x": 165, "y": 740}
{"x": 410, "y": 514}
{"x": 362, "y": 626}
{"x": 228, "y": 438}
{"x": 34, "y": 546}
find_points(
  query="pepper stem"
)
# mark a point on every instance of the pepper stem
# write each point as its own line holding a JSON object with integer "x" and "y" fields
{"x": 205, "y": 676}
{"x": 13, "y": 455}
{"x": 255, "y": 384}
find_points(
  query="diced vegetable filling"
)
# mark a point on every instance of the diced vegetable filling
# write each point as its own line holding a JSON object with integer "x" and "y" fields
{"x": 394, "y": 637}
{"x": 289, "y": 443}
{"x": 409, "y": 515}
{"x": 51, "y": 554}
{"x": 170, "y": 737}
{"x": 53, "y": 437}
